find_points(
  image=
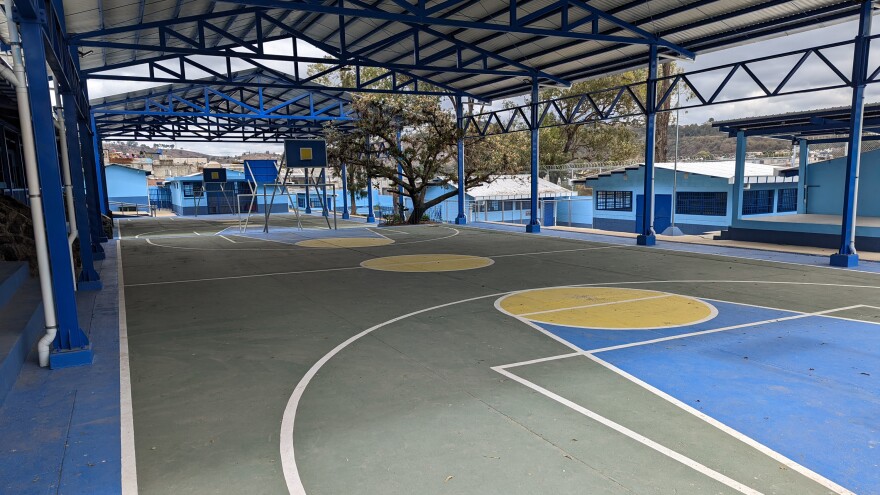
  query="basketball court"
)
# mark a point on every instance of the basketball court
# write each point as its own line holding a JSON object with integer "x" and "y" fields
{"x": 446, "y": 359}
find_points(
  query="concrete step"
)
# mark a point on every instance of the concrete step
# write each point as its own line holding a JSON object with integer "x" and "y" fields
{"x": 21, "y": 324}
{"x": 12, "y": 275}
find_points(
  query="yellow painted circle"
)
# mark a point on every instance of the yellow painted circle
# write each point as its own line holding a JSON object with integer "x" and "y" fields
{"x": 607, "y": 308}
{"x": 345, "y": 242}
{"x": 427, "y": 263}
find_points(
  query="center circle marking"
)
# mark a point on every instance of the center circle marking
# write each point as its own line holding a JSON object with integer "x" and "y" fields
{"x": 427, "y": 263}
{"x": 605, "y": 308}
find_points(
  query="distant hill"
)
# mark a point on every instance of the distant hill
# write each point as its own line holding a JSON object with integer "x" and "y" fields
{"x": 702, "y": 141}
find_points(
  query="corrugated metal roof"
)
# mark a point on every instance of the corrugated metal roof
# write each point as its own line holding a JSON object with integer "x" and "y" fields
{"x": 516, "y": 186}
{"x": 706, "y": 26}
{"x": 720, "y": 169}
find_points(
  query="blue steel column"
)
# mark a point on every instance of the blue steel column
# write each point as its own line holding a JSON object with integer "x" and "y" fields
{"x": 847, "y": 255}
{"x": 534, "y": 226}
{"x": 71, "y": 346}
{"x": 88, "y": 277}
{"x": 739, "y": 176}
{"x": 804, "y": 158}
{"x": 100, "y": 178}
{"x": 461, "y": 219}
{"x": 648, "y": 237}
{"x": 400, "y": 179}
{"x": 96, "y": 225}
{"x": 345, "y": 214}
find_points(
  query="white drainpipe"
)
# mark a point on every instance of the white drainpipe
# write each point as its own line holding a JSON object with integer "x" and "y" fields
{"x": 33, "y": 181}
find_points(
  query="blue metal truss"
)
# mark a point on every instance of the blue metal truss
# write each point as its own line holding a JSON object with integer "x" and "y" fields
{"x": 211, "y": 39}
{"x": 59, "y": 56}
{"x": 629, "y": 101}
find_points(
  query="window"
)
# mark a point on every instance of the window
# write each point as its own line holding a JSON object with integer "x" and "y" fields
{"x": 757, "y": 202}
{"x": 713, "y": 204}
{"x": 614, "y": 200}
{"x": 191, "y": 189}
{"x": 786, "y": 200}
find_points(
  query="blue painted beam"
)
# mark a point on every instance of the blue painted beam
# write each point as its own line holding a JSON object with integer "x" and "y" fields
{"x": 534, "y": 226}
{"x": 461, "y": 218}
{"x": 88, "y": 278}
{"x": 847, "y": 256}
{"x": 647, "y": 237}
{"x": 345, "y": 213}
{"x": 71, "y": 346}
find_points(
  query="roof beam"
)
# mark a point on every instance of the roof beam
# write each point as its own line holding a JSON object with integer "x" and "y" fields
{"x": 419, "y": 15}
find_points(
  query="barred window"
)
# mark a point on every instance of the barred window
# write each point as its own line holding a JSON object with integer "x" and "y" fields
{"x": 712, "y": 204}
{"x": 786, "y": 200}
{"x": 756, "y": 202}
{"x": 614, "y": 200}
{"x": 191, "y": 189}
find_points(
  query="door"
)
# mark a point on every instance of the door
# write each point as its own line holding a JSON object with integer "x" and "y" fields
{"x": 662, "y": 212}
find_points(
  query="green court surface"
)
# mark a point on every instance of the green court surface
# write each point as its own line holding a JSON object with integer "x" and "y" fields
{"x": 429, "y": 362}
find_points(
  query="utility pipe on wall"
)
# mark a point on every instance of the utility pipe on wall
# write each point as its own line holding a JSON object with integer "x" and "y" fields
{"x": 33, "y": 184}
{"x": 66, "y": 182}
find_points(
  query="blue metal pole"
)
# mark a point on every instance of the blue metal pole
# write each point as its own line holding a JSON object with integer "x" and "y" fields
{"x": 847, "y": 255}
{"x": 71, "y": 344}
{"x": 534, "y": 226}
{"x": 99, "y": 171}
{"x": 647, "y": 237}
{"x": 89, "y": 168}
{"x": 739, "y": 177}
{"x": 400, "y": 179}
{"x": 88, "y": 277}
{"x": 804, "y": 158}
{"x": 461, "y": 219}
{"x": 345, "y": 214}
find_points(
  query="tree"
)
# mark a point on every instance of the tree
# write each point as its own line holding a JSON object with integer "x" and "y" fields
{"x": 428, "y": 152}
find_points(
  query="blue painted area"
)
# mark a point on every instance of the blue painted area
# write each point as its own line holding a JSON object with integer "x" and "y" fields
{"x": 728, "y": 315}
{"x": 60, "y": 429}
{"x": 807, "y": 388}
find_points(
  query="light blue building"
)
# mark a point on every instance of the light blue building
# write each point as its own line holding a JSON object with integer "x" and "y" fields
{"x": 819, "y": 208}
{"x": 505, "y": 199}
{"x": 190, "y": 195}
{"x": 703, "y": 196}
{"x": 126, "y": 188}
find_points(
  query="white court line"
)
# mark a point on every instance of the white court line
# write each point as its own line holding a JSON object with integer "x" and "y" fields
{"x": 378, "y": 234}
{"x": 288, "y": 456}
{"x": 391, "y": 230}
{"x": 237, "y": 277}
{"x": 730, "y": 431}
{"x": 554, "y": 252}
{"x": 196, "y": 233}
{"x": 687, "y": 461}
{"x": 224, "y": 237}
{"x": 685, "y": 251}
{"x": 126, "y": 415}
{"x": 584, "y": 306}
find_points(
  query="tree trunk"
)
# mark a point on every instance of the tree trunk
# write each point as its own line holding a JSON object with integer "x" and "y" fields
{"x": 415, "y": 217}
{"x": 353, "y": 203}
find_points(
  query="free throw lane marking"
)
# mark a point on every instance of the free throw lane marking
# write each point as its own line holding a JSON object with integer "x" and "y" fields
{"x": 345, "y": 242}
{"x": 427, "y": 263}
{"x": 607, "y": 308}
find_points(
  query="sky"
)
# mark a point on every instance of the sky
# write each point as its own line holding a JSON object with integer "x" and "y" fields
{"x": 811, "y": 73}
